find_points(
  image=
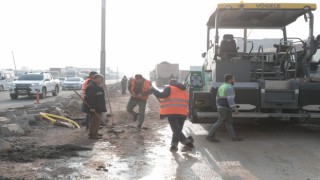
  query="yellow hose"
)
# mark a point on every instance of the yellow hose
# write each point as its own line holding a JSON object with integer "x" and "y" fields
{"x": 49, "y": 117}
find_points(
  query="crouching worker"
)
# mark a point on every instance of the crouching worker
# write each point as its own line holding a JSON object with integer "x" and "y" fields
{"x": 174, "y": 106}
{"x": 94, "y": 97}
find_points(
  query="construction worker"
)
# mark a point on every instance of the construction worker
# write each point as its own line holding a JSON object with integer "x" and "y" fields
{"x": 86, "y": 82}
{"x": 84, "y": 87}
{"x": 139, "y": 90}
{"x": 96, "y": 104}
{"x": 124, "y": 82}
{"x": 225, "y": 104}
{"x": 174, "y": 106}
{"x": 196, "y": 80}
{"x": 171, "y": 76}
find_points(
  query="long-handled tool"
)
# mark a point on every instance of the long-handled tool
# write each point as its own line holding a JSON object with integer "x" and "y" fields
{"x": 94, "y": 112}
{"x": 107, "y": 94}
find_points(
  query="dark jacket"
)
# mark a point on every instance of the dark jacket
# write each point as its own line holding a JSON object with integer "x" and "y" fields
{"x": 95, "y": 98}
{"x": 166, "y": 92}
{"x": 124, "y": 81}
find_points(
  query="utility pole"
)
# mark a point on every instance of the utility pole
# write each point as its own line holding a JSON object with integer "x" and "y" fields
{"x": 14, "y": 62}
{"x": 103, "y": 39}
{"x": 117, "y": 74}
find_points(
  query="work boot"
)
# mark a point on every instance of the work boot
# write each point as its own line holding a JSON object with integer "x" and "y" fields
{"x": 173, "y": 148}
{"x": 212, "y": 139}
{"x": 238, "y": 138}
{"x": 187, "y": 147}
{"x": 190, "y": 139}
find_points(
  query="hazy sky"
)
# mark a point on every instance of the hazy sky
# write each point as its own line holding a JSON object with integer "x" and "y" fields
{"x": 139, "y": 33}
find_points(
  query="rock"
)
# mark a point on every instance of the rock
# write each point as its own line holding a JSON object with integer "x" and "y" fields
{"x": 3, "y": 112}
{"x": 20, "y": 112}
{"x": 74, "y": 107}
{"x": 13, "y": 119}
{"x": 74, "y": 104}
{"x": 5, "y": 146}
{"x": 59, "y": 105}
{"x": 10, "y": 130}
{"x": 10, "y": 113}
{"x": 37, "y": 111}
{"x": 58, "y": 112}
{"x": 62, "y": 100}
{"x": 4, "y": 120}
{"x": 45, "y": 105}
{"x": 31, "y": 118}
{"x": 24, "y": 124}
{"x": 37, "y": 118}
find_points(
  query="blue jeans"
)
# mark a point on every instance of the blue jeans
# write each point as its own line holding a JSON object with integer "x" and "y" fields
{"x": 176, "y": 124}
{"x": 225, "y": 117}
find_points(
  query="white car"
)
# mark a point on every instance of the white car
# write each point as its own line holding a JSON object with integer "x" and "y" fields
{"x": 31, "y": 84}
{"x": 61, "y": 80}
{"x": 72, "y": 83}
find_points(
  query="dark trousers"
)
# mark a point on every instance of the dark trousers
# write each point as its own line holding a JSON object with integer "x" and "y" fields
{"x": 95, "y": 121}
{"x": 133, "y": 102}
{"x": 176, "y": 124}
{"x": 124, "y": 88}
{"x": 225, "y": 117}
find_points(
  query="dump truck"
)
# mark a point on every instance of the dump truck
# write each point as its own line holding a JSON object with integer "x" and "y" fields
{"x": 163, "y": 72}
{"x": 278, "y": 83}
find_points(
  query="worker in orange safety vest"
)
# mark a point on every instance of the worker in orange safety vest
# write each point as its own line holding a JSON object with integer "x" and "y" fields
{"x": 139, "y": 90}
{"x": 174, "y": 106}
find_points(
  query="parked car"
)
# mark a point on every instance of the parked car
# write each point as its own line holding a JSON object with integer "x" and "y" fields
{"x": 61, "y": 80}
{"x": 32, "y": 83}
{"x": 72, "y": 83}
{"x": 6, "y": 78}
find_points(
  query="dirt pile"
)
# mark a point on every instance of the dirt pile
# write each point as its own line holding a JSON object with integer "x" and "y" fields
{"x": 47, "y": 149}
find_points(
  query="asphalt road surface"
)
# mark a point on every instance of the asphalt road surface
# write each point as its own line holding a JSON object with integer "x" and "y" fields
{"x": 6, "y": 102}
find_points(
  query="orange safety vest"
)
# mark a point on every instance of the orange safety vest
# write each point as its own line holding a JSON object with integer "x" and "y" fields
{"x": 84, "y": 86}
{"x": 175, "y": 103}
{"x": 145, "y": 88}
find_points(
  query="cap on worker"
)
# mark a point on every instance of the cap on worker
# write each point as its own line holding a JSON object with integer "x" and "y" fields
{"x": 97, "y": 76}
{"x": 172, "y": 81}
{"x": 138, "y": 76}
{"x": 92, "y": 73}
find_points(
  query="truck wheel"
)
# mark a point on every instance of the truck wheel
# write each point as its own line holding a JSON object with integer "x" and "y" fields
{"x": 1, "y": 88}
{"x": 13, "y": 96}
{"x": 56, "y": 91}
{"x": 44, "y": 93}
